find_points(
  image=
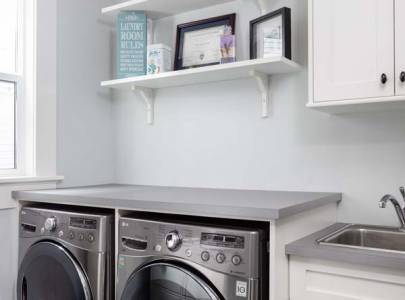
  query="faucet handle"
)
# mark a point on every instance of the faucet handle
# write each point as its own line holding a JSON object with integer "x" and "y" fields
{"x": 402, "y": 190}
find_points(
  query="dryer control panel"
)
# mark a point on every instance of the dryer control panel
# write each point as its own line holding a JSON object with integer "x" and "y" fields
{"x": 228, "y": 250}
{"x": 81, "y": 230}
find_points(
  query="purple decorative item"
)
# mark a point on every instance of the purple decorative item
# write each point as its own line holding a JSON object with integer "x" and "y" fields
{"x": 228, "y": 53}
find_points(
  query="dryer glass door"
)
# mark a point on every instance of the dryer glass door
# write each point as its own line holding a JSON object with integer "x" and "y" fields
{"x": 165, "y": 281}
{"x": 49, "y": 272}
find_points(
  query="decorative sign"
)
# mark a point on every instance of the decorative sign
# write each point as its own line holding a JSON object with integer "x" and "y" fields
{"x": 132, "y": 44}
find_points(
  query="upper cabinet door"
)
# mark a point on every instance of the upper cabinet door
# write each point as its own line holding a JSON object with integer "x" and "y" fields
{"x": 353, "y": 49}
{"x": 400, "y": 46}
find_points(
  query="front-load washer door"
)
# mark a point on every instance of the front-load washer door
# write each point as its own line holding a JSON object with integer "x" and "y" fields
{"x": 166, "y": 281}
{"x": 49, "y": 272}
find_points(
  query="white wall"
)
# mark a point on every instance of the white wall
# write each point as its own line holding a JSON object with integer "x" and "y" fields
{"x": 8, "y": 261}
{"x": 85, "y": 149}
{"x": 211, "y": 135}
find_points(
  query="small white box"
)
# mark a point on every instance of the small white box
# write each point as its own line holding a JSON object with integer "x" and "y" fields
{"x": 158, "y": 59}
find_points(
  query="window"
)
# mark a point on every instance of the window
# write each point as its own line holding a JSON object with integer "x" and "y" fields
{"x": 9, "y": 36}
{"x": 7, "y": 125}
{"x": 11, "y": 86}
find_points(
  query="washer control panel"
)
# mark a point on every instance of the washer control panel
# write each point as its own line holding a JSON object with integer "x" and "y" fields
{"x": 223, "y": 240}
{"x": 228, "y": 250}
{"x": 74, "y": 228}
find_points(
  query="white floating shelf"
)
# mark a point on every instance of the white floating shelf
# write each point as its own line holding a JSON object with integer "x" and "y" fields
{"x": 258, "y": 69}
{"x": 231, "y": 71}
{"x": 156, "y": 9}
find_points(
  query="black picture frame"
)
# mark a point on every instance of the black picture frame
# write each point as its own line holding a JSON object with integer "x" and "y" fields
{"x": 285, "y": 13}
{"x": 228, "y": 20}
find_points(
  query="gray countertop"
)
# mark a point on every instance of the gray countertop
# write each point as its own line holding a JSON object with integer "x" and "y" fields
{"x": 310, "y": 248}
{"x": 222, "y": 203}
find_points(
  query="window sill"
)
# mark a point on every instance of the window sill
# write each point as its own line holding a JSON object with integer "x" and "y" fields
{"x": 29, "y": 179}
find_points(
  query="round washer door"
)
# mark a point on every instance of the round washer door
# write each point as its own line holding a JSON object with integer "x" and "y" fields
{"x": 49, "y": 272}
{"x": 166, "y": 281}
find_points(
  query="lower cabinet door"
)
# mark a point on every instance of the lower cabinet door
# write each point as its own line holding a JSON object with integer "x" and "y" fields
{"x": 327, "y": 280}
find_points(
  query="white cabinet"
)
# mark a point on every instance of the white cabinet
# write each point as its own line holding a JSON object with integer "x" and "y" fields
{"x": 400, "y": 46}
{"x": 353, "y": 45}
{"x": 326, "y": 280}
{"x": 356, "y": 53}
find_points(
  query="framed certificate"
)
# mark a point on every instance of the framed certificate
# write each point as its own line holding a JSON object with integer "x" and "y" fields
{"x": 199, "y": 43}
{"x": 270, "y": 35}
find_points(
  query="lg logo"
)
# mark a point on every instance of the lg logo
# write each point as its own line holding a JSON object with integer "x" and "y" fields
{"x": 241, "y": 289}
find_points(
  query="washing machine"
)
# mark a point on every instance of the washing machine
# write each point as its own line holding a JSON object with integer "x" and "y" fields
{"x": 65, "y": 255}
{"x": 166, "y": 260}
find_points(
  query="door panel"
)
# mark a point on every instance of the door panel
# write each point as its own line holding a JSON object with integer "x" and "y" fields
{"x": 353, "y": 45}
{"x": 164, "y": 281}
{"x": 48, "y": 272}
{"x": 400, "y": 46}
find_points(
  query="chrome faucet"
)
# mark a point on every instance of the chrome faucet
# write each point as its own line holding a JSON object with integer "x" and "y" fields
{"x": 399, "y": 210}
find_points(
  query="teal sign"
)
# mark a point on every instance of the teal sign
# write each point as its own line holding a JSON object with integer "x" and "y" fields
{"x": 132, "y": 44}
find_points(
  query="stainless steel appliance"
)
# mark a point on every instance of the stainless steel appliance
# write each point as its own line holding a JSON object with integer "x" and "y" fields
{"x": 65, "y": 255}
{"x": 163, "y": 260}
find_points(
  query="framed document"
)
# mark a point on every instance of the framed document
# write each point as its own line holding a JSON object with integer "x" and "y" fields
{"x": 199, "y": 43}
{"x": 270, "y": 35}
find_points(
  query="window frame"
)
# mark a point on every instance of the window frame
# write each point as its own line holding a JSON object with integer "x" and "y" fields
{"x": 20, "y": 101}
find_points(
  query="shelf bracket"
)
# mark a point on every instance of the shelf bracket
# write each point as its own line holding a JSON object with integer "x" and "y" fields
{"x": 263, "y": 6}
{"x": 263, "y": 84}
{"x": 148, "y": 98}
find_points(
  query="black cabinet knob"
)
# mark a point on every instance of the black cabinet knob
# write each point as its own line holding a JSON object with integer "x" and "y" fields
{"x": 402, "y": 76}
{"x": 384, "y": 78}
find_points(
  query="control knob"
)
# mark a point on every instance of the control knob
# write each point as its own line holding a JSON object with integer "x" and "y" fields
{"x": 71, "y": 235}
{"x": 90, "y": 237}
{"x": 50, "y": 224}
{"x": 173, "y": 240}
{"x": 236, "y": 260}
{"x": 205, "y": 256}
{"x": 220, "y": 258}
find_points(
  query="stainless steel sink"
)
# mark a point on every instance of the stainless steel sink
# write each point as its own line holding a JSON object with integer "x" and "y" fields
{"x": 367, "y": 237}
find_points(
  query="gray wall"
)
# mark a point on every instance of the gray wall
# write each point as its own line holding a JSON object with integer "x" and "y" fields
{"x": 84, "y": 133}
{"x": 211, "y": 135}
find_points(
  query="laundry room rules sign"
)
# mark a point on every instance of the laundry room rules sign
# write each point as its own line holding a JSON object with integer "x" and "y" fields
{"x": 132, "y": 44}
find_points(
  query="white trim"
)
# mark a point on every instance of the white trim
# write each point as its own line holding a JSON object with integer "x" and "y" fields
{"x": 357, "y": 105}
{"x": 310, "y": 53}
{"x": 156, "y": 9}
{"x": 15, "y": 81}
{"x": 22, "y": 26}
{"x": 12, "y": 77}
{"x": 29, "y": 84}
{"x": 28, "y": 179}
